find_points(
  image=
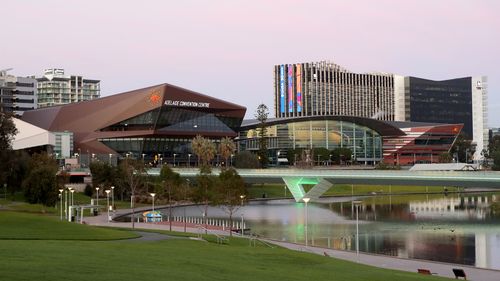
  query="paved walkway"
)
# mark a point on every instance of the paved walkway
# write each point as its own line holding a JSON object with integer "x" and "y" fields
{"x": 441, "y": 269}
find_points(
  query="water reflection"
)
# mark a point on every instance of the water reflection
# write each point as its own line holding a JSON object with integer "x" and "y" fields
{"x": 457, "y": 228}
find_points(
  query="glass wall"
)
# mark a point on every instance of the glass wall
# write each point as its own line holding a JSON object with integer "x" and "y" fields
{"x": 365, "y": 143}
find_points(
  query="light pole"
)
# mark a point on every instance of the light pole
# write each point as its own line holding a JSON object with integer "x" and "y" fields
{"x": 329, "y": 160}
{"x": 466, "y": 154}
{"x": 144, "y": 154}
{"x": 72, "y": 195}
{"x": 189, "y": 160}
{"x": 97, "y": 197}
{"x": 232, "y": 155}
{"x": 357, "y": 204}
{"x": 110, "y": 155}
{"x": 175, "y": 154}
{"x": 305, "y": 199}
{"x": 153, "y": 195}
{"x": 107, "y": 199}
{"x": 61, "y": 199}
{"x": 113, "y": 198}
{"x": 65, "y": 204}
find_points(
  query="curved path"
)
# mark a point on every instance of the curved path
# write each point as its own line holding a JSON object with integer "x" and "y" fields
{"x": 411, "y": 265}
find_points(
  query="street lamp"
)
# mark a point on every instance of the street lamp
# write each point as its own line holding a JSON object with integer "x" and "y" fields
{"x": 72, "y": 195}
{"x": 305, "y": 199}
{"x": 466, "y": 154}
{"x": 107, "y": 201}
{"x": 61, "y": 199}
{"x": 232, "y": 155}
{"x": 97, "y": 197}
{"x": 153, "y": 195}
{"x": 189, "y": 159}
{"x": 110, "y": 155}
{"x": 329, "y": 160}
{"x": 144, "y": 154}
{"x": 175, "y": 154}
{"x": 113, "y": 197}
{"x": 357, "y": 204}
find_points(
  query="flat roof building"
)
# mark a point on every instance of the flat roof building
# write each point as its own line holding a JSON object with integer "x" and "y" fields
{"x": 327, "y": 89}
{"x": 56, "y": 88}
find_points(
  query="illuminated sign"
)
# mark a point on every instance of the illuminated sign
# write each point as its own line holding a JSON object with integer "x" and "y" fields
{"x": 298, "y": 79}
{"x": 187, "y": 103}
{"x": 155, "y": 97}
{"x": 282, "y": 88}
{"x": 290, "y": 88}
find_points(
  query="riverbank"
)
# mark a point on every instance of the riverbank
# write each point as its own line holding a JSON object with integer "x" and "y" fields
{"x": 410, "y": 265}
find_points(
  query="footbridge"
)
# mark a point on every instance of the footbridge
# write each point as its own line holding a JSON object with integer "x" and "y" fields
{"x": 322, "y": 180}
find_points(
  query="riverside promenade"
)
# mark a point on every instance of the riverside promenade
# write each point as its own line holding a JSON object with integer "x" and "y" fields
{"x": 395, "y": 263}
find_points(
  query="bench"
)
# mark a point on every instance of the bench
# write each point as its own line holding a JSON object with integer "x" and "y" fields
{"x": 459, "y": 273}
{"x": 424, "y": 271}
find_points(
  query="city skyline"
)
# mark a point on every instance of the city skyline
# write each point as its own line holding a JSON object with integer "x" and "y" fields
{"x": 228, "y": 49}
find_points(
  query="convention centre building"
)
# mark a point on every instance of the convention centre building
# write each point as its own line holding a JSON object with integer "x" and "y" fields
{"x": 158, "y": 123}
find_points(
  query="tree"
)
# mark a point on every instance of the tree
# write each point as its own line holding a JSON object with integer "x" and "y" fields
{"x": 494, "y": 145}
{"x": 40, "y": 186}
{"x": 246, "y": 160}
{"x": 323, "y": 153}
{"x": 445, "y": 157}
{"x": 204, "y": 150}
{"x": 7, "y": 132}
{"x": 204, "y": 192}
{"x": 226, "y": 148}
{"x": 133, "y": 178}
{"x": 261, "y": 115}
{"x": 171, "y": 182}
{"x": 341, "y": 154}
{"x": 496, "y": 161}
{"x": 19, "y": 163}
{"x": 463, "y": 148}
{"x": 230, "y": 193}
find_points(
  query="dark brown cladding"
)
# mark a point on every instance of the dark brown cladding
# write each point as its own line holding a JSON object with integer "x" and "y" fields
{"x": 87, "y": 120}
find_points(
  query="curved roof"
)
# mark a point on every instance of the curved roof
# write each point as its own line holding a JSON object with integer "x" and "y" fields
{"x": 384, "y": 128}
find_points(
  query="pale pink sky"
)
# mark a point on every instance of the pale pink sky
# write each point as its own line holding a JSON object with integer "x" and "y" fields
{"x": 227, "y": 49}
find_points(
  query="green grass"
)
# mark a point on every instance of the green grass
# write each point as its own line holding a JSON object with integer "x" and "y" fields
{"x": 277, "y": 190}
{"x": 173, "y": 259}
{"x": 16, "y": 225}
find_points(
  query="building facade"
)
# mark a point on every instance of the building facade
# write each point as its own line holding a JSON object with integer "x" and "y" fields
{"x": 56, "y": 88}
{"x": 370, "y": 141}
{"x": 17, "y": 94}
{"x": 461, "y": 100}
{"x": 154, "y": 123}
{"x": 327, "y": 89}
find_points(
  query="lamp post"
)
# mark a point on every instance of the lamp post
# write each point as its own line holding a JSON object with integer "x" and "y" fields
{"x": 65, "y": 204}
{"x": 72, "y": 196}
{"x": 306, "y": 200}
{"x": 144, "y": 154}
{"x": 329, "y": 160}
{"x": 61, "y": 199}
{"x": 175, "y": 154}
{"x": 110, "y": 155}
{"x": 153, "y": 195}
{"x": 232, "y": 155}
{"x": 107, "y": 203}
{"x": 466, "y": 154}
{"x": 357, "y": 204}
{"x": 97, "y": 197}
{"x": 189, "y": 160}
{"x": 113, "y": 198}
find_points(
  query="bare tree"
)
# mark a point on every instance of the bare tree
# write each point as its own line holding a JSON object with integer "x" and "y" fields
{"x": 133, "y": 177}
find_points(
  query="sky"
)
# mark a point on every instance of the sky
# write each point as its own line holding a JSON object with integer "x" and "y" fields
{"x": 227, "y": 48}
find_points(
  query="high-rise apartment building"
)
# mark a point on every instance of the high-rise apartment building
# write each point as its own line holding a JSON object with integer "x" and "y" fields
{"x": 56, "y": 88}
{"x": 17, "y": 94}
{"x": 326, "y": 89}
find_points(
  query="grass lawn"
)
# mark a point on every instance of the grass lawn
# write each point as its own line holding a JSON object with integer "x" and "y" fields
{"x": 278, "y": 190}
{"x": 173, "y": 259}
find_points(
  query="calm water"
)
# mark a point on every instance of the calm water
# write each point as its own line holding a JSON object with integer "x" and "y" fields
{"x": 462, "y": 229}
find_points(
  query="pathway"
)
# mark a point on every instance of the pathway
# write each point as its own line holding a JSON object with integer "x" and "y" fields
{"x": 441, "y": 269}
